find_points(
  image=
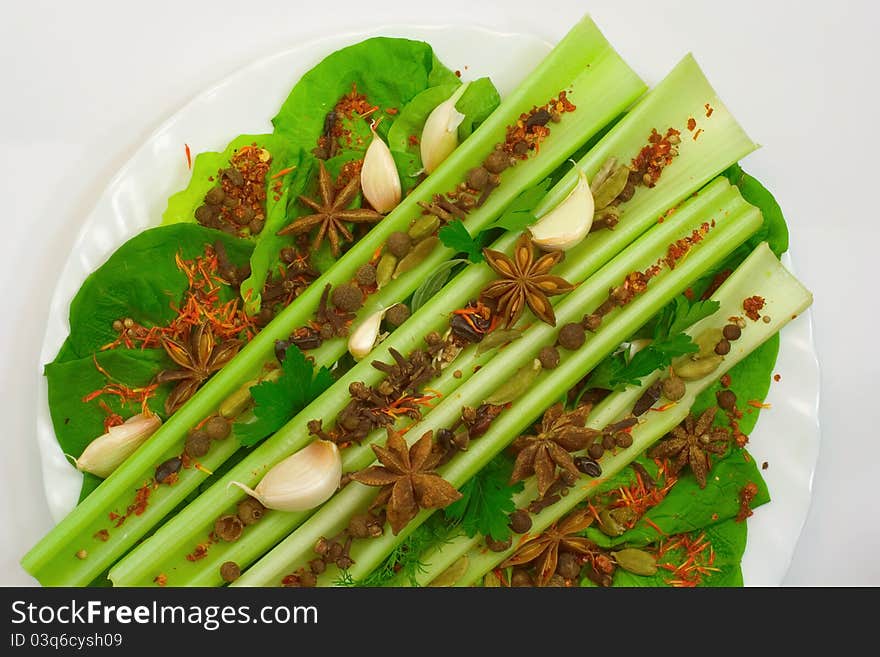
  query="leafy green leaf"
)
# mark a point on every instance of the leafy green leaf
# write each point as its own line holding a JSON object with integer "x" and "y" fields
{"x": 455, "y": 236}
{"x": 279, "y": 400}
{"x": 477, "y": 102}
{"x": 434, "y": 283}
{"x": 750, "y": 379}
{"x": 77, "y": 422}
{"x": 616, "y": 371}
{"x": 486, "y": 501}
{"x": 680, "y": 314}
{"x": 141, "y": 280}
{"x": 520, "y": 213}
{"x": 774, "y": 231}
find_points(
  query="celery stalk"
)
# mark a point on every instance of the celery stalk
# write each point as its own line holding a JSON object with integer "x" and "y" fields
{"x": 583, "y": 62}
{"x": 761, "y": 273}
{"x": 732, "y": 227}
{"x": 681, "y": 94}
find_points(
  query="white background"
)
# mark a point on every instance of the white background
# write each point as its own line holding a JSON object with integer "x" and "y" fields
{"x": 83, "y": 84}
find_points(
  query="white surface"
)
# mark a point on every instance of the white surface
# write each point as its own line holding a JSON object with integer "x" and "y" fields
{"x": 87, "y": 84}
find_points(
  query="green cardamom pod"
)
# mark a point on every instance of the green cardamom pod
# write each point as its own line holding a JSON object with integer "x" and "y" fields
{"x": 497, "y": 338}
{"x": 423, "y": 227}
{"x": 451, "y": 575}
{"x": 608, "y": 525}
{"x": 706, "y": 342}
{"x": 691, "y": 370}
{"x": 416, "y": 256}
{"x": 611, "y": 187}
{"x": 516, "y": 385}
{"x": 385, "y": 269}
{"x": 637, "y": 562}
{"x": 602, "y": 174}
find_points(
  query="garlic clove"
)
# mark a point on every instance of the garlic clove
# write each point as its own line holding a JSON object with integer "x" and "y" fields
{"x": 566, "y": 225}
{"x": 302, "y": 481}
{"x": 107, "y": 452}
{"x": 380, "y": 181}
{"x": 440, "y": 133}
{"x": 362, "y": 340}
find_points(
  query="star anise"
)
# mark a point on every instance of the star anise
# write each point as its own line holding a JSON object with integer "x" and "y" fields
{"x": 407, "y": 479}
{"x": 560, "y": 434}
{"x": 199, "y": 356}
{"x": 691, "y": 443}
{"x": 331, "y": 213}
{"x": 524, "y": 281}
{"x": 543, "y": 550}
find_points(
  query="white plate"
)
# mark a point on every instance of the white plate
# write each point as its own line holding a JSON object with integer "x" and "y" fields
{"x": 787, "y": 436}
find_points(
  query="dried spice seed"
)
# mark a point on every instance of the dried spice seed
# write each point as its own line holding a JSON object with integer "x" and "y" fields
{"x": 228, "y": 528}
{"x": 217, "y": 428}
{"x": 417, "y": 255}
{"x": 731, "y": 332}
{"x": 648, "y": 399}
{"x": 726, "y": 399}
{"x": 230, "y": 571}
{"x": 691, "y": 443}
{"x": 166, "y": 471}
{"x": 596, "y": 451}
{"x": 498, "y": 161}
{"x": 608, "y": 441}
{"x": 673, "y": 387}
{"x": 637, "y": 562}
{"x": 397, "y": 314}
{"x": 588, "y": 466}
{"x": 423, "y": 227}
{"x": 623, "y": 439}
{"x": 498, "y": 546}
{"x": 521, "y": 578}
{"x": 723, "y": 347}
{"x": 197, "y": 444}
{"x": 520, "y": 521}
{"x": 348, "y": 298}
{"x": 572, "y": 336}
{"x": 549, "y": 357}
{"x": 250, "y": 510}
{"x": 366, "y": 275}
{"x": 568, "y": 566}
{"x": 398, "y": 244}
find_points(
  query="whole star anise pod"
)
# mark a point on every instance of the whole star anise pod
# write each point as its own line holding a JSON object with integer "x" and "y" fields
{"x": 560, "y": 434}
{"x": 407, "y": 479}
{"x": 691, "y": 443}
{"x": 331, "y": 213}
{"x": 199, "y": 356}
{"x": 524, "y": 282}
{"x": 543, "y": 550}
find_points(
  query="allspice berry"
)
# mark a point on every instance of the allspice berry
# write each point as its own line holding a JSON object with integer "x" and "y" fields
{"x": 250, "y": 510}
{"x": 520, "y": 521}
{"x": 572, "y": 336}
{"x": 726, "y": 399}
{"x": 477, "y": 178}
{"x": 398, "y": 244}
{"x": 497, "y": 161}
{"x": 498, "y": 546}
{"x": 397, "y": 314}
{"x": 230, "y": 571}
{"x": 549, "y": 357}
{"x": 228, "y": 528}
{"x": 673, "y": 388}
{"x": 348, "y": 298}
{"x": 217, "y": 428}
{"x": 366, "y": 275}
{"x": 197, "y": 443}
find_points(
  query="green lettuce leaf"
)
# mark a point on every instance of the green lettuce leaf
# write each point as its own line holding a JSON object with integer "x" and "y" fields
{"x": 141, "y": 280}
{"x": 77, "y": 422}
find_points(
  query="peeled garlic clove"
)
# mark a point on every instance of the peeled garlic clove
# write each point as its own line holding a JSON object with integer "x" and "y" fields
{"x": 440, "y": 134}
{"x": 107, "y": 452}
{"x": 302, "y": 481}
{"x": 566, "y": 225}
{"x": 362, "y": 340}
{"x": 380, "y": 181}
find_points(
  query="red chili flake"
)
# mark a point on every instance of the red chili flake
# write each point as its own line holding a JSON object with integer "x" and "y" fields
{"x": 756, "y": 404}
{"x": 392, "y": 111}
{"x": 654, "y": 157}
{"x": 752, "y": 305}
{"x": 531, "y": 128}
{"x": 200, "y": 552}
{"x": 698, "y": 133}
{"x": 458, "y": 74}
{"x": 349, "y": 171}
{"x": 189, "y": 159}
{"x": 102, "y": 535}
{"x": 746, "y": 495}
{"x": 777, "y": 378}
{"x": 689, "y": 294}
{"x": 161, "y": 579}
{"x": 413, "y": 140}
{"x": 709, "y": 110}
{"x": 725, "y": 380}
{"x": 691, "y": 124}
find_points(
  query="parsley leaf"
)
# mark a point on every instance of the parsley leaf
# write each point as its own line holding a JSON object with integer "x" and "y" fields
{"x": 680, "y": 314}
{"x": 456, "y": 237}
{"x": 486, "y": 500}
{"x": 617, "y": 371}
{"x": 279, "y": 400}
